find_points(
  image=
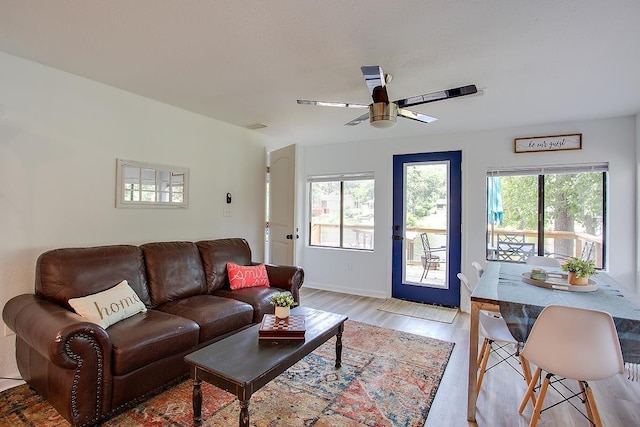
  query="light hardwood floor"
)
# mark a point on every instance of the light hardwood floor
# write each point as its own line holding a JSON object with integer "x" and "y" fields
{"x": 618, "y": 399}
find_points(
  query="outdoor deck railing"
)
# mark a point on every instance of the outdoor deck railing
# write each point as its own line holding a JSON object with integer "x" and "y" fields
{"x": 361, "y": 237}
{"x": 580, "y": 239}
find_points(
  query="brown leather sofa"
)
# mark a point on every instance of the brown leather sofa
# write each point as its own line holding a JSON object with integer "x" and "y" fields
{"x": 89, "y": 373}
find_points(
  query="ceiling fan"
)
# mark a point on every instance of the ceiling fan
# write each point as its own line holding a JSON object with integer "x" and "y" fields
{"x": 382, "y": 113}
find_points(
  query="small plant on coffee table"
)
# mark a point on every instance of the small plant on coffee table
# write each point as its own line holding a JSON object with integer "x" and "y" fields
{"x": 283, "y": 299}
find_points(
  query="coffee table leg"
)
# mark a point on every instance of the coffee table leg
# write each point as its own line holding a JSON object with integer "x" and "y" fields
{"x": 197, "y": 402}
{"x": 244, "y": 413}
{"x": 339, "y": 346}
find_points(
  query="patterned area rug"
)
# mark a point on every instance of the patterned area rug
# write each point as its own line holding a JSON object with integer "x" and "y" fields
{"x": 388, "y": 378}
{"x": 422, "y": 311}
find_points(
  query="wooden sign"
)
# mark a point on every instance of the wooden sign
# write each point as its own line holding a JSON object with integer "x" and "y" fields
{"x": 548, "y": 143}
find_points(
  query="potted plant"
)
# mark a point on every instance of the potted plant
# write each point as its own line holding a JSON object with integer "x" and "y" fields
{"x": 579, "y": 270}
{"x": 283, "y": 301}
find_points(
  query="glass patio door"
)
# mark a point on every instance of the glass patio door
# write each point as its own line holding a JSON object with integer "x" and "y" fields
{"x": 427, "y": 227}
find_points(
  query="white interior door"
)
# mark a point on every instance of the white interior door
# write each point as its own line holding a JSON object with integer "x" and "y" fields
{"x": 282, "y": 230}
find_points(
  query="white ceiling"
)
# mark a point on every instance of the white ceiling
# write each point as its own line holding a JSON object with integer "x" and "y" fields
{"x": 246, "y": 62}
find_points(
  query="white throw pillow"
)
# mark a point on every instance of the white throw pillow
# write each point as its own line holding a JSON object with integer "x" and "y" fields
{"x": 108, "y": 307}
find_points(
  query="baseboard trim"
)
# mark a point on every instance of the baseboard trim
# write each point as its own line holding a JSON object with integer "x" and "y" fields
{"x": 7, "y": 384}
{"x": 345, "y": 290}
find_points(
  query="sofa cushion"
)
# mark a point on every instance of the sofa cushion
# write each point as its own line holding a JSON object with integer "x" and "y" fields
{"x": 247, "y": 276}
{"x": 215, "y": 256}
{"x": 259, "y": 298}
{"x": 174, "y": 271}
{"x": 108, "y": 307}
{"x": 215, "y": 316}
{"x": 62, "y": 274}
{"x": 147, "y": 337}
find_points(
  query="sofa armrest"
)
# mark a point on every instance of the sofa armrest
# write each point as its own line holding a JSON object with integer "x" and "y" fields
{"x": 70, "y": 344}
{"x": 286, "y": 277}
{"x": 47, "y": 328}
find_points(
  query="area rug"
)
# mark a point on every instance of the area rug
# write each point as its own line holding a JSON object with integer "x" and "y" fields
{"x": 422, "y": 311}
{"x": 388, "y": 378}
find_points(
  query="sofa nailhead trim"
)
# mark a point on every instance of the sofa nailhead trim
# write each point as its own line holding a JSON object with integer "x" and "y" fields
{"x": 76, "y": 376}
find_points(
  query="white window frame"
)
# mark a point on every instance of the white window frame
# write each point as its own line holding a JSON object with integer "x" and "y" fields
{"x": 341, "y": 178}
{"x": 156, "y": 170}
{"x": 559, "y": 169}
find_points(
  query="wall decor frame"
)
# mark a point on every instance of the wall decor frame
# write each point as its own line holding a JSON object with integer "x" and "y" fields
{"x": 150, "y": 185}
{"x": 532, "y": 144}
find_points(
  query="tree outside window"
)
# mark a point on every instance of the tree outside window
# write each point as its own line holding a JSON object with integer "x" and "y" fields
{"x": 558, "y": 215}
{"x": 342, "y": 212}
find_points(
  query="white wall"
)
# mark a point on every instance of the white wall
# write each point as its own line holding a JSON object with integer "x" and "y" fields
{"x": 637, "y": 236}
{"x": 60, "y": 136}
{"x": 611, "y": 140}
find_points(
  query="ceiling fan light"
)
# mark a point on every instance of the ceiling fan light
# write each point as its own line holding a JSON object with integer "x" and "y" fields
{"x": 382, "y": 123}
{"x": 383, "y": 115}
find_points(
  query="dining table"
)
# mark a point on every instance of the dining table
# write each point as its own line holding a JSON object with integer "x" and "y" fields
{"x": 502, "y": 289}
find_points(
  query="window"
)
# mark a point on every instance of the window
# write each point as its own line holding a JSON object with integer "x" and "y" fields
{"x": 554, "y": 211}
{"x": 341, "y": 211}
{"x": 150, "y": 185}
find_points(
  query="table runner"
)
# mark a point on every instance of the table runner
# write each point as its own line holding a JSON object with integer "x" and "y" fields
{"x": 521, "y": 303}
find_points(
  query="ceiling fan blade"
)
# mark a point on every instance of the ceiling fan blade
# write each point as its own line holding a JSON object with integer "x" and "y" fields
{"x": 331, "y": 104}
{"x": 358, "y": 120}
{"x": 437, "y": 96}
{"x": 413, "y": 115}
{"x": 376, "y": 82}
{"x": 373, "y": 77}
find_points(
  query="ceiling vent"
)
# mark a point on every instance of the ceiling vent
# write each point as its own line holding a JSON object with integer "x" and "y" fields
{"x": 256, "y": 126}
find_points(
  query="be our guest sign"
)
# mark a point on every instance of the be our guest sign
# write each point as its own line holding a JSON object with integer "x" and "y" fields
{"x": 548, "y": 143}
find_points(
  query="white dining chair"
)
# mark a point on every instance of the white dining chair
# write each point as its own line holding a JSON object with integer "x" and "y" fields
{"x": 496, "y": 338}
{"x": 543, "y": 261}
{"x": 572, "y": 343}
{"x": 479, "y": 269}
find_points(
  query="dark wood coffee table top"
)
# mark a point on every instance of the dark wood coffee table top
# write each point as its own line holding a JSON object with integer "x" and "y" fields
{"x": 242, "y": 364}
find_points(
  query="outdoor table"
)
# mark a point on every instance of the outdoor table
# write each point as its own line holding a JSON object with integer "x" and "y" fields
{"x": 502, "y": 289}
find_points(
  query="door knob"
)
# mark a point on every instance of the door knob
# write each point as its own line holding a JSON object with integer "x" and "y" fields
{"x": 289, "y": 236}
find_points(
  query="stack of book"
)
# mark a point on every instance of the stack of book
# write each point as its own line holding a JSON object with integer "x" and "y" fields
{"x": 274, "y": 328}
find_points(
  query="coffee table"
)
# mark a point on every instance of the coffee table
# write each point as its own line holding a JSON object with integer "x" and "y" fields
{"x": 241, "y": 364}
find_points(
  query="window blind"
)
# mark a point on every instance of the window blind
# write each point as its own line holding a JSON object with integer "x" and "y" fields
{"x": 341, "y": 177}
{"x": 549, "y": 169}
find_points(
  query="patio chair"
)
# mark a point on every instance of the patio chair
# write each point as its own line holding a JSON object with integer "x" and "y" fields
{"x": 429, "y": 257}
{"x": 586, "y": 254}
{"x": 587, "y": 251}
{"x": 496, "y": 340}
{"x": 572, "y": 343}
{"x": 511, "y": 237}
{"x": 512, "y": 247}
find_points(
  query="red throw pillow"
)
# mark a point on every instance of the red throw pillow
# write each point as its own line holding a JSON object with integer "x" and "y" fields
{"x": 247, "y": 276}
